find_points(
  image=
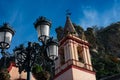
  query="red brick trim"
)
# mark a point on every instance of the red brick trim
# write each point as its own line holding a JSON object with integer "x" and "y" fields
{"x": 12, "y": 64}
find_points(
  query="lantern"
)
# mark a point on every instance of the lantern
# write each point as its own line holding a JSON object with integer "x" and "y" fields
{"x": 42, "y": 26}
{"x": 52, "y": 50}
{"x": 6, "y": 34}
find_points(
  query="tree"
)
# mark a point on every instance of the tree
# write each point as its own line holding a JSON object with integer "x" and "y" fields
{"x": 4, "y": 64}
{"x": 39, "y": 73}
{"x": 59, "y": 32}
{"x": 4, "y": 74}
{"x": 79, "y": 30}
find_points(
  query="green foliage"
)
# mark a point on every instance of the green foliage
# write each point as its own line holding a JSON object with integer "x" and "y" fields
{"x": 4, "y": 74}
{"x": 39, "y": 73}
{"x": 104, "y": 66}
{"x": 59, "y": 32}
{"x": 91, "y": 37}
{"x": 37, "y": 68}
{"x": 78, "y": 29}
{"x": 43, "y": 75}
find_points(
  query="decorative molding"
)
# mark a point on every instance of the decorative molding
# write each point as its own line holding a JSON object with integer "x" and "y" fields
{"x": 71, "y": 37}
{"x": 72, "y": 62}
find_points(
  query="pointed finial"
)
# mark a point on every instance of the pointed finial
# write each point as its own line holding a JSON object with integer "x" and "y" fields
{"x": 68, "y": 13}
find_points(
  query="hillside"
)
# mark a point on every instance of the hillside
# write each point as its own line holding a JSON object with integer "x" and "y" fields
{"x": 105, "y": 49}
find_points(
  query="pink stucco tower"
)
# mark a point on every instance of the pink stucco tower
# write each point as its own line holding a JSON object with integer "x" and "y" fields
{"x": 74, "y": 62}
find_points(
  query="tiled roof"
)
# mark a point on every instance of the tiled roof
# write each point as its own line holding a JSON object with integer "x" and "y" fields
{"x": 69, "y": 28}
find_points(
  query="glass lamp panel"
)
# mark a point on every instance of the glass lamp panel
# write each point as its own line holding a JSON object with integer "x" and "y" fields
{"x": 43, "y": 30}
{"x": 2, "y": 36}
{"x": 8, "y": 37}
{"x": 38, "y": 30}
{"x": 52, "y": 51}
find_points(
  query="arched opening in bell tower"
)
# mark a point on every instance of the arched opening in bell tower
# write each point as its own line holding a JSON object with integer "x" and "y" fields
{"x": 80, "y": 54}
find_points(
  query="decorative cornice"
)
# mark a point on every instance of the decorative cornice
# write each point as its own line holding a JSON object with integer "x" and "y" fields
{"x": 74, "y": 38}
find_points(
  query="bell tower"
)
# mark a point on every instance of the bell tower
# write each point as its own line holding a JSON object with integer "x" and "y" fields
{"x": 74, "y": 62}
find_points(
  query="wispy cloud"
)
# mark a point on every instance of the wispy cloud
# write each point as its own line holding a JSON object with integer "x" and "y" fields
{"x": 14, "y": 16}
{"x": 112, "y": 15}
{"x": 92, "y": 16}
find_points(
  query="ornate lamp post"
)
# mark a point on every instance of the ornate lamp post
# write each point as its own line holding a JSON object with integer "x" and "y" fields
{"x": 43, "y": 28}
{"x": 45, "y": 53}
{"x": 6, "y": 34}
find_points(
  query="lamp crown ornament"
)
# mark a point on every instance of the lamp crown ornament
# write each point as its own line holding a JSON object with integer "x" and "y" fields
{"x": 7, "y": 27}
{"x": 42, "y": 21}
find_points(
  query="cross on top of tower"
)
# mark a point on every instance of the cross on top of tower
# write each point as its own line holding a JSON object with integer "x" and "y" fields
{"x": 68, "y": 13}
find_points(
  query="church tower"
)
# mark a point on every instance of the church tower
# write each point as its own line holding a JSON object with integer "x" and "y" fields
{"x": 74, "y": 62}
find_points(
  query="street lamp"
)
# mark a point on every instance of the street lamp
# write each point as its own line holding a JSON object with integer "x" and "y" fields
{"x": 46, "y": 52}
{"x": 43, "y": 28}
{"x": 6, "y": 34}
{"x": 52, "y": 50}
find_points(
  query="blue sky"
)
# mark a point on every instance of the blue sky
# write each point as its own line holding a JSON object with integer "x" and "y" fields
{"x": 21, "y": 14}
